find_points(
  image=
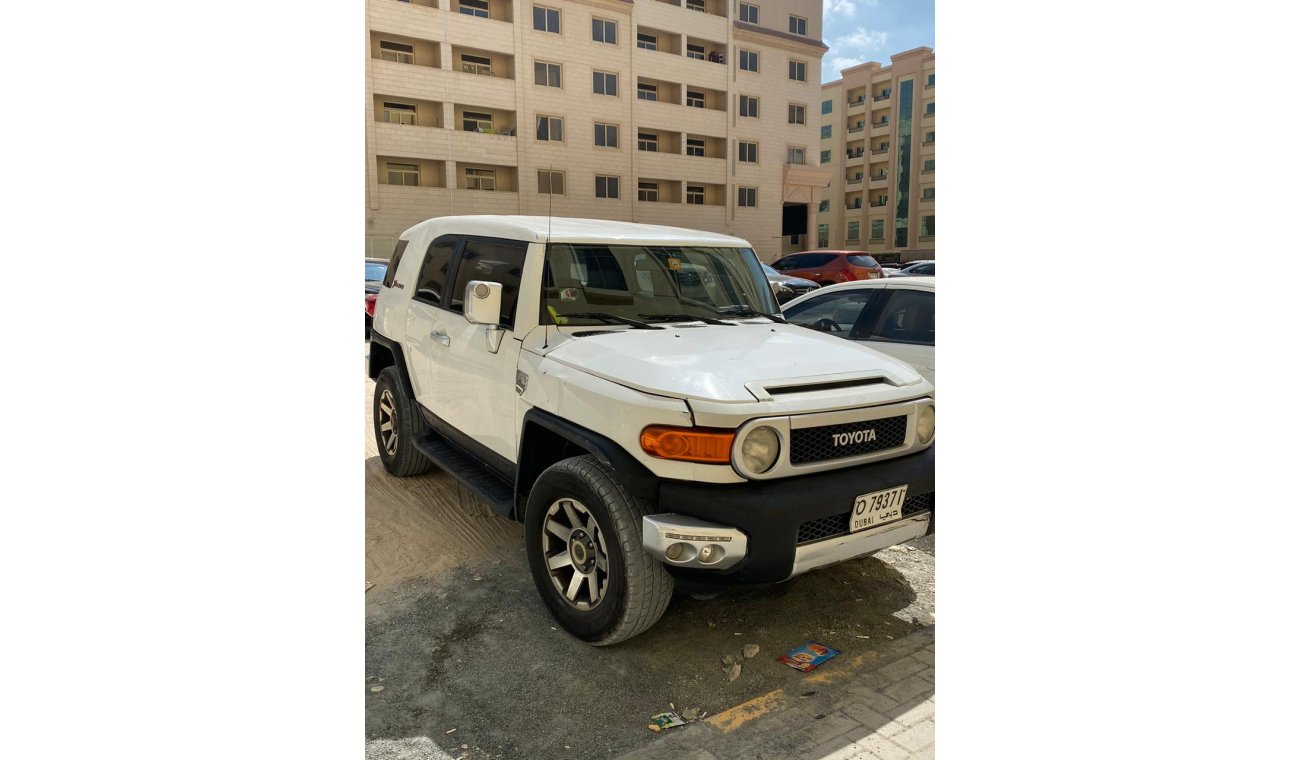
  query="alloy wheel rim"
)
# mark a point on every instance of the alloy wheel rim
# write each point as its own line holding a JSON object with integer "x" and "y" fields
{"x": 573, "y": 548}
{"x": 388, "y": 422}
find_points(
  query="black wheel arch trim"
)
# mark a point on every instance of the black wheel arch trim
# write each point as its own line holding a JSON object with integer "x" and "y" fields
{"x": 399, "y": 360}
{"x": 634, "y": 476}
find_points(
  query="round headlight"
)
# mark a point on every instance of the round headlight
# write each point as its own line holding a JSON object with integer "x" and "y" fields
{"x": 759, "y": 450}
{"x": 925, "y": 425}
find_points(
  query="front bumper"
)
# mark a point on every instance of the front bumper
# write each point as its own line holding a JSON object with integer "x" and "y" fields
{"x": 770, "y": 514}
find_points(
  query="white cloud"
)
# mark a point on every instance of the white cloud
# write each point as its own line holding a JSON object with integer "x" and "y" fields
{"x": 844, "y": 7}
{"x": 839, "y": 63}
{"x": 863, "y": 40}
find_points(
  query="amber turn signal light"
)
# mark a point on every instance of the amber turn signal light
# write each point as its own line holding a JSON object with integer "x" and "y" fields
{"x": 705, "y": 445}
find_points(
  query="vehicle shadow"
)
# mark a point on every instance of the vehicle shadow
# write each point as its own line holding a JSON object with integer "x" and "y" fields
{"x": 471, "y": 657}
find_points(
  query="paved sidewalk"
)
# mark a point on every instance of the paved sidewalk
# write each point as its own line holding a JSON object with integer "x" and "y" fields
{"x": 882, "y": 708}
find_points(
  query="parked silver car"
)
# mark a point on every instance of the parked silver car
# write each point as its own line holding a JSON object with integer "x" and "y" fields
{"x": 785, "y": 287}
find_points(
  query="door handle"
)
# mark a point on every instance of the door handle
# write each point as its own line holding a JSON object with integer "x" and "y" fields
{"x": 443, "y": 339}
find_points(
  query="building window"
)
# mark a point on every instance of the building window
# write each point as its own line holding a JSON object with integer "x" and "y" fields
{"x": 928, "y": 166}
{"x": 748, "y": 106}
{"x": 474, "y": 8}
{"x": 747, "y": 197}
{"x": 399, "y": 113}
{"x": 824, "y": 206}
{"x": 694, "y": 99}
{"x": 403, "y": 174}
{"x": 827, "y": 106}
{"x": 794, "y": 155}
{"x": 853, "y": 228}
{"x": 606, "y": 187}
{"x": 694, "y": 147}
{"x": 647, "y": 191}
{"x": 799, "y": 25}
{"x": 550, "y": 128}
{"x": 929, "y": 80}
{"x": 877, "y": 229}
{"x": 799, "y": 71}
{"x": 929, "y": 108}
{"x": 647, "y": 91}
{"x": 604, "y": 83}
{"x": 476, "y": 64}
{"x": 927, "y": 225}
{"x": 826, "y": 157}
{"x": 480, "y": 179}
{"x": 546, "y": 74}
{"x": 550, "y": 182}
{"x": 823, "y": 235}
{"x": 826, "y": 131}
{"x": 648, "y": 141}
{"x": 696, "y": 5}
{"x": 929, "y": 137}
{"x": 927, "y": 193}
{"x": 748, "y": 60}
{"x": 747, "y": 152}
{"x": 473, "y": 121}
{"x": 607, "y": 135}
{"x": 695, "y": 195}
{"x": 694, "y": 51}
{"x": 796, "y": 114}
{"x": 647, "y": 41}
{"x": 396, "y": 51}
{"x": 749, "y": 13}
{"x": 546, "y": 19}
{"x": 603, "y": 30}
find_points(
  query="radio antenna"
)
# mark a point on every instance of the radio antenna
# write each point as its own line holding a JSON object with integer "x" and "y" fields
{"x": 550, "y": 194}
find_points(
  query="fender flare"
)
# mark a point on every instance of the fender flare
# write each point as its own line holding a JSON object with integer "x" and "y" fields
{"x": 634, "y": 476}
{"x": 399, "y": 361}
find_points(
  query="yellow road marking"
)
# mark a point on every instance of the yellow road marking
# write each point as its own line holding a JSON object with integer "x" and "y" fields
{"x": 735, "y": 717}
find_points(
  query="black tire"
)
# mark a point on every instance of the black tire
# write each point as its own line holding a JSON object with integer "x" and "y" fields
{"x": 638, "y": 588}
{"x": 403, "y": 459}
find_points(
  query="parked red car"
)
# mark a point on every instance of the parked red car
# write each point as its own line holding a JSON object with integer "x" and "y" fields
{"x": 829, "y": 267}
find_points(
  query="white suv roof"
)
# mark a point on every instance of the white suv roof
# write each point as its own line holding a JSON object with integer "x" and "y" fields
{"x": 540, "y": 229}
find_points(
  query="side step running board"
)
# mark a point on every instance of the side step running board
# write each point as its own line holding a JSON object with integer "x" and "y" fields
{"x": 498, "y": 492}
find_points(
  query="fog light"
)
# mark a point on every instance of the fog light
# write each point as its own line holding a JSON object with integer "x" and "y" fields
{"x": 710, "y": 553}
{"x": 674, "y": 552}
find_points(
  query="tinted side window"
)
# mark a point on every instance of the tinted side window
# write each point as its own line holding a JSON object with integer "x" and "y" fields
{"x": 433, "y": 275}
{"x": 789, "y": 262}
{"x": 924, "y": 269}
{"x": 816, "y": 260}
{"x": 862, "y": 261}
{"x": 908, "y": 317}
{"x": 493, "y": 261}
{"x": 393, "y": 262}
{"x": 841, "y": 309}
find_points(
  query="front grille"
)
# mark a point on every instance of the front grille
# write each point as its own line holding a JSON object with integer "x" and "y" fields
{"x": 818, "y": 444}
{"x": 838, "y": 525}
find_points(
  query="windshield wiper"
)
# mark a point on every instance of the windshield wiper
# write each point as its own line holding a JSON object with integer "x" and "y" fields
{"x": 687, "y": 318}
{"x": 745, "y": 311}
{"x": 611, "y": 319}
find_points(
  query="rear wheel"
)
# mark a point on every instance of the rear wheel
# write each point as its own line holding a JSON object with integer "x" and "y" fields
{"x": 583, "y": 532}
{"x": 397, "y": 425}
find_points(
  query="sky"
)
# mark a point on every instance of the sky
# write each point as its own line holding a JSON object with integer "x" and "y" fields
{"x": 871, "y": 30}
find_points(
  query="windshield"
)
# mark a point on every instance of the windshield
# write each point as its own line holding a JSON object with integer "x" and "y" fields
{"x": 614, "y": 283}
{"x": 375, "y": 272}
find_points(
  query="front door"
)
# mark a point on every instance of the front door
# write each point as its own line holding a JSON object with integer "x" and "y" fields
{"x": 422, "y": 346}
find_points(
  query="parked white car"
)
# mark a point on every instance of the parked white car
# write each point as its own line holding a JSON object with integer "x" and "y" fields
{"x": 631, "y": 393}
{"x": 894, "y": 316}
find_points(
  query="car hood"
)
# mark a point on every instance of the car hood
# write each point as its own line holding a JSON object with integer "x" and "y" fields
{"x": 797, "y": 282}
{"x": 721, "y": 363}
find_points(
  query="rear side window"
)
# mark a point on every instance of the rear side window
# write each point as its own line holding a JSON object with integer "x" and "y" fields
{"x": 492, "y": 261}
{"x": 393, "y": 262}
{"x": 433, "y": 274}
{"x": 816, "y": 260}
{"x": 908, "y": 317}
{"x": 859, "y": 260}
{"x": 789, "y": 262}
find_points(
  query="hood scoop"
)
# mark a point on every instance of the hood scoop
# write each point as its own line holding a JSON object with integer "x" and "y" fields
{"x": 779, "y": 390}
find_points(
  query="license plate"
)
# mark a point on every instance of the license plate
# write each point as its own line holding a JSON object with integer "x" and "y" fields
{"x": 877, "y": 508}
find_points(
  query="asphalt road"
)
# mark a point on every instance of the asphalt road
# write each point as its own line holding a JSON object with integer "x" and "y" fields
{"x": 464, "y": 661}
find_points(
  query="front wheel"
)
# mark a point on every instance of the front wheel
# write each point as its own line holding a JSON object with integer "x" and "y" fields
{"x": 583, "y": 532}
{"x": 397, "y": 425}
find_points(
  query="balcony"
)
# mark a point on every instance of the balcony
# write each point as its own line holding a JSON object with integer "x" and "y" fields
{"x": 927, "y": 200}
{"x": 857, "y": 105}
{"x": 877, "y": 180}
{"x": 880, "y": 202}
{"x": 854, "y": 158}
{"x": 882, "y": 97}
{"x": 679, "y": 69}
{"x": 925, "y": 238}
{"x": 420, "y": 21}
{"x": 854, "y": 180}
{"x": 928, "y": 115}
{"x": 879, "y": 127}
{"x": 880, "y": 151}
{"x": 667, "y": 14}
{"x": 857, "y": 128}
{"x": 927, "y": 171}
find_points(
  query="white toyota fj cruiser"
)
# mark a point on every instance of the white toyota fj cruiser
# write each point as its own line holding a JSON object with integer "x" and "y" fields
{"x": 630, "y": 393}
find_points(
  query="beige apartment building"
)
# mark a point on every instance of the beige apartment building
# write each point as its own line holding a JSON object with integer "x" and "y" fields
{"x": 694, "y": 113}
{"x": 877, "y": 138}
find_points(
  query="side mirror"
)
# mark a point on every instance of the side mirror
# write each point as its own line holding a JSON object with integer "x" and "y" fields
{"x": 483, "y": 303}
{"x": 483, "y": 307}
